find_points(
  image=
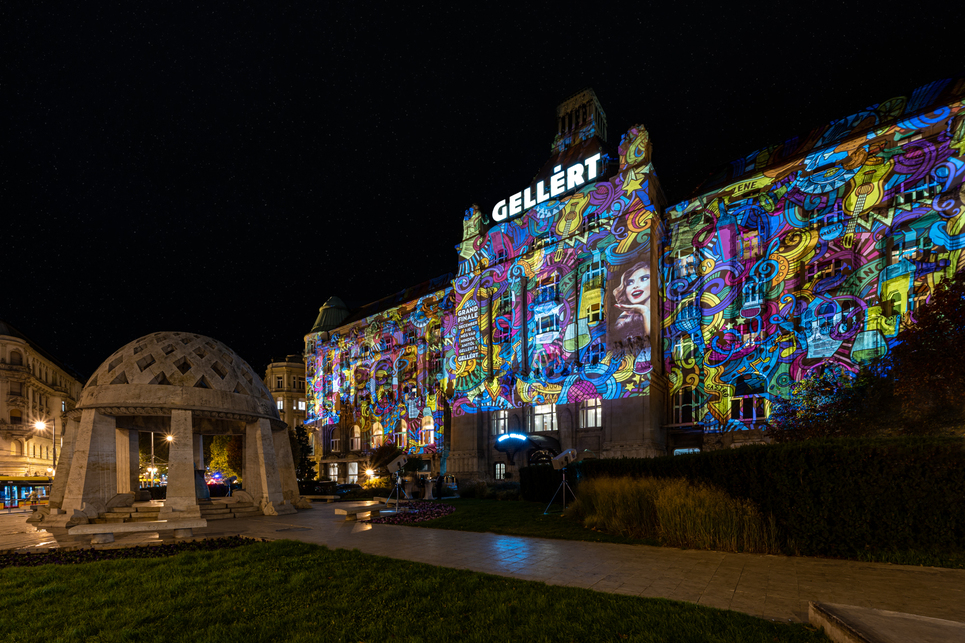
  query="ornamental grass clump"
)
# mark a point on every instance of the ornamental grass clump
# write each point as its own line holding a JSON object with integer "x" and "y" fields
{"x": 675, "y": 511}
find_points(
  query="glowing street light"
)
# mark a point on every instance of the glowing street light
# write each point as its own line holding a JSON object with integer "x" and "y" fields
{"x": 369, "y": 472}
{"x": 41, "y": 426}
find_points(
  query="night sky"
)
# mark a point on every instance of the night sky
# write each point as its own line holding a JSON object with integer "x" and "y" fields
{"x": 226, "y": 168}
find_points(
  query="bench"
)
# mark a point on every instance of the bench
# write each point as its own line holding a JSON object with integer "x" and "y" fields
{"x": 325, "y": 498}
{"x": 105, "y": 533}
{"x": 353, "y": 514}
{"x": 388, "y": 502}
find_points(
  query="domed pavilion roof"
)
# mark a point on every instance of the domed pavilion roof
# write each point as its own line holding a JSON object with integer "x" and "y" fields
{"x": 168, "y": 370}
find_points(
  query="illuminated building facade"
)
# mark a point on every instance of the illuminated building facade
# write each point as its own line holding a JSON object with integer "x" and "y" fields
{"x": 285, "y": 380}
{"x": 34, "y": 387}
{"x": 588, "y": 314}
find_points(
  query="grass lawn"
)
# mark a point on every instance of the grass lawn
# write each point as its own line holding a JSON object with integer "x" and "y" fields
{"x": 291, "y": 591}
{"x": 520, "y": 518}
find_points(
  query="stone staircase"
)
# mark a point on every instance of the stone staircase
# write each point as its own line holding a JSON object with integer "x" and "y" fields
{"x": 145, "y": 511}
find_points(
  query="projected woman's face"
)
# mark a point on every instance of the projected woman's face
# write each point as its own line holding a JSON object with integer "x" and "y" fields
{"x": 638, "y": 286}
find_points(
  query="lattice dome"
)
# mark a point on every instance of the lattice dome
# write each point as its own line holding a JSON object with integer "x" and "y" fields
{"x": 178, "y": 370}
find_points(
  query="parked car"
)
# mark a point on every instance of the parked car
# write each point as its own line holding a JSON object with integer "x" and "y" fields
{"x": 345, "y": 489}
{"x": 316, "y": 488}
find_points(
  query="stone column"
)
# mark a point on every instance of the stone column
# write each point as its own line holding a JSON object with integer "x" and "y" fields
{"x": 181, "y": 496}
{"x": 127, "y": 460}
{"x": 62, "y": 465}
{"x": 199, "y": 452}
{"x": 92, "y": 479}
{"x": 286, "y": 466}
{"x": 261, "y": 469}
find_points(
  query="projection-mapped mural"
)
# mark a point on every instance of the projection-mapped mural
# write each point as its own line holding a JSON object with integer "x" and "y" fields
{"x": 384, "y": 374}
{"x": 814, "y": 251}
{"x": 538, "y": 290}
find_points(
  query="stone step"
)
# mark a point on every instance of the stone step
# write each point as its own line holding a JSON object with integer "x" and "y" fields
{"x": 114, "y": 514}
{"x": 217, "y": 516}
{"x": 143, "y": 517}
{"x": 214, "y": 511}
{"x": 149, "y": 508}
{"x": 112, "y": 520}
{"x": 122, "y": 510}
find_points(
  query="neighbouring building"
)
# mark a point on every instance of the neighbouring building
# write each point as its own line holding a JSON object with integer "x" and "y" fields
{"x": 34, "y": 387}
{"x": 285, "y": 380}
{"x": 588, "y": 313}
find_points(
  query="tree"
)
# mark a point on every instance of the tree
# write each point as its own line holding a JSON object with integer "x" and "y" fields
{"x": 915, "y": 389}
{"x": 928, "y": 372}
{"x": 301, "y": 452}
{"x": 227, "y": 455}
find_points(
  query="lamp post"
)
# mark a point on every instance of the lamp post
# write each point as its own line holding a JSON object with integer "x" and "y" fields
{"x": 40, "y": 425}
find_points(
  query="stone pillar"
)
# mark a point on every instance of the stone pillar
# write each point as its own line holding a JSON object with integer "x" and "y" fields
{"x": 261, "y": 470}
{"x": 92, "y": 479}
{"x": 62, "y": 466}
{"x": 181, "y": 495}
{"x": 127, "y": 460}
{"x": 199, "y": 452}
{"x": 286, "y": 466}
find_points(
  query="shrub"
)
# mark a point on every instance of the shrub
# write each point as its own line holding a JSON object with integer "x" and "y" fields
{"x": 834, "y": 497}
{"x": 675, "y": 511}
{"x": 474, "y": 489}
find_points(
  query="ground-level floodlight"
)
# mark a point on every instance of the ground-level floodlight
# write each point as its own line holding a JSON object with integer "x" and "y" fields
{"x": 560, "y": 463}
{"x": 396, "y": 465}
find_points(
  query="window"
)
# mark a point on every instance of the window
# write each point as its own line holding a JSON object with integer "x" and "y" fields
{"x": 546, "y": 289}
{"x": 301, "y": 405}
{"x": 748, "y": 409}
{"x": 279, "y": 382}
{"x": 751, "y": 245}
{"x": 16, "y": 417}
{"x": 356, "y": 438}
{"x": 428, "y": 430}
{"x": 16, "y": 388}
{"x": 591, "y": 414}
{"x": 280, "y": 404}
{"x": 683, "y": 348}
{"x": 332, "y": 470}
{"x": 311, "y": 443}
{"x": 399, "y": 437}
{"x": 753, "y": 293}
{"x": 542, "y": 418}
{"x": 16, "y": 358}
{"x": 595, "y": 353}
{"x": 683, "y": 406}
{"x": 353, "y": 472}
{"x": 595, "y": 275}
{"x": 63, "y": 406}
{"x": 685, "y": 451}
{"x": 594, "y": 312}
{"x": 500, "y": 472}
{"x": 500, "y": 421}
{"x": 547, "y": 323}
{"x": 336, "y": 445}
{"x": 685, "y": 263}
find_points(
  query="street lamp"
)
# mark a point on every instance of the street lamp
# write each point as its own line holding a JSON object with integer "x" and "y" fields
{"x": 40, "y": 425}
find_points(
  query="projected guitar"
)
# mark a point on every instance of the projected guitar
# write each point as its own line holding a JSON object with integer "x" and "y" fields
{"x": 868, "y": 192}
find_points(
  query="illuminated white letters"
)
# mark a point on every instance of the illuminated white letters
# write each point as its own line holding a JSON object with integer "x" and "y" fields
{"x": 560, "y": 182}
{"x": 574, "y": 176}
{"x": 516, "y": 204}
{"x": 499, "y": 212}
{"x": 528, "y": 201}
{"x": 556, "y": 182}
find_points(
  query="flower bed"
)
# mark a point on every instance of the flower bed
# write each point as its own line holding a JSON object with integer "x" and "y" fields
{"x": 418, "y": 511}
{"x": 64, "y": 557}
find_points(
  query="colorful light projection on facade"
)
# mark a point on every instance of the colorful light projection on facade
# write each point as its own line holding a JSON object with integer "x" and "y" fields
{"x": 384, "y": 374}
{"x": 555, "y": 305}
{"x": 812, "y": 252}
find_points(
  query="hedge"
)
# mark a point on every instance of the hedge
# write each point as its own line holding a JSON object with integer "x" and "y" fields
{"x": 835, "y": 497}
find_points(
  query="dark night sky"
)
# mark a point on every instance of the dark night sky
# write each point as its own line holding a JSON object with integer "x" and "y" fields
{"x": 225, "y": 168}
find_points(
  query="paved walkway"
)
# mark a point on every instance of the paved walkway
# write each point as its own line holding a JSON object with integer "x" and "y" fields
{"x": 772, "y": 587}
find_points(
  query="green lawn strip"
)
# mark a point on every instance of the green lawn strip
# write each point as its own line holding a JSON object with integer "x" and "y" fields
{"x": 521, "y": 518}
{"x": 292, "y": 591}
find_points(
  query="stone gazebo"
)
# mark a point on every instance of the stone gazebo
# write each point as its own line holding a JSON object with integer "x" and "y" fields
{"x": 179, "y": 384}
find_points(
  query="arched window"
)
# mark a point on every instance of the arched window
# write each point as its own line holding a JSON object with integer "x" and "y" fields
{"x": 16, "y": 358}
{"x": 356, "y": 438}
{"x": 18, "y": 447}
{"x": 428, "y": 429}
